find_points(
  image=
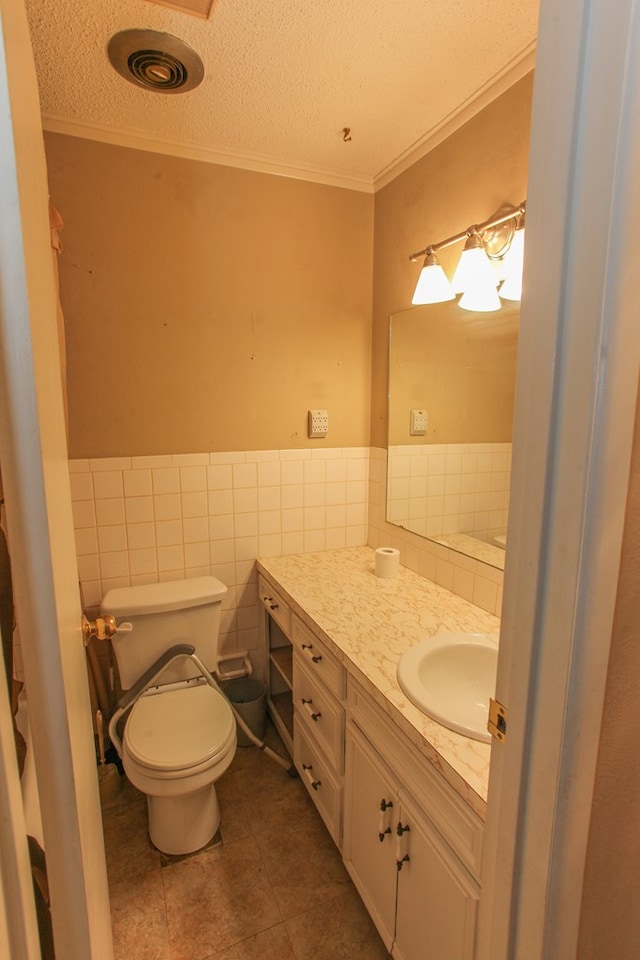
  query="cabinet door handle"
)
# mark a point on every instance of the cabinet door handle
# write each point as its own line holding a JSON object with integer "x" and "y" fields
{"x": 315, "y": 784}
{"x": 307, "y": 704}
{"x": 400, "y": 857}
{"x": 383, "y": 825}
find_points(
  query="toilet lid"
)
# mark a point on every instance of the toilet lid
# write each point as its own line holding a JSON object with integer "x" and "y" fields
{"x": 179, "y": 728}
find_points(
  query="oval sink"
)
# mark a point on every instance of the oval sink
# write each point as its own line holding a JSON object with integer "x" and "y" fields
{"x": 451, "y": 678}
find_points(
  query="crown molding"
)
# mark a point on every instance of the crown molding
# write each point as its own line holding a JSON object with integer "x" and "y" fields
{"x": 186, "y": 151}
{"x": 515, "y": 70}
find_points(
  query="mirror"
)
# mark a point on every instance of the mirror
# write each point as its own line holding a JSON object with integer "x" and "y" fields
{"x": 449, "y": 472}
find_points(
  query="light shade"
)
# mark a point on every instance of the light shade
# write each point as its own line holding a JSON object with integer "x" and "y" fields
{"x": 476, "y": 278}
{"x": 482, "y": 298}
{"x": 474, "y": 267}
{"x": 511, "y": 289}
{"x": 432, "y": 285}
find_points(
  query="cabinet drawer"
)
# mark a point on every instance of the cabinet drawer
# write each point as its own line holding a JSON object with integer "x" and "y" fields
{"x": 318, "y": 712}
{"x": 324, "y": 788}
{"x": 276, "y": 607}
{"x": 320, "y": 661}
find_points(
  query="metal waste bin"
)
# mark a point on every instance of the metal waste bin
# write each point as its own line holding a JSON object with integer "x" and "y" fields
{"x": 248, "y": 697}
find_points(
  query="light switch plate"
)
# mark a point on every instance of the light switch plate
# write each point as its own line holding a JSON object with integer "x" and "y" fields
{"x": 318, "y": 423}
{"x": 419, "y": 423}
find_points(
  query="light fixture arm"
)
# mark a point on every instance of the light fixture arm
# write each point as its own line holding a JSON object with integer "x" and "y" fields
{"x": 513, "y": 213}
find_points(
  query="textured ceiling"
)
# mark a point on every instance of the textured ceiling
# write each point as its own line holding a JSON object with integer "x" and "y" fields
{"x": 284, "y": 77}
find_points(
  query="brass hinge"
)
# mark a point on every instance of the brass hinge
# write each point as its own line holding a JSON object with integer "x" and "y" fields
{"x": 497, "y": 725}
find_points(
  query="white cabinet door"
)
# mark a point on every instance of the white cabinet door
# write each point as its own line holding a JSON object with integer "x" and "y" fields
{"x": 370, "y": 859}
{"x": 437, "y": 900}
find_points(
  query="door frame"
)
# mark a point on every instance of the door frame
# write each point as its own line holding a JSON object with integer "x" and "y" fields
{"x": 579, "y": 353}
{"x": 35, "y": 474}
{"x": 569, "y": 488}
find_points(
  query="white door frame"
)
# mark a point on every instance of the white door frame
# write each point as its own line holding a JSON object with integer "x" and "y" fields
{"x": 35, "y": 475}
{"x": 18, "y": 923}
{"x": 569, "y": 485}
{"x": 577, "y": 384}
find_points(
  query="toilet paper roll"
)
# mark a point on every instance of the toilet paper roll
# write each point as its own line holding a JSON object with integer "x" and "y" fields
{"x": 387, "y": 562}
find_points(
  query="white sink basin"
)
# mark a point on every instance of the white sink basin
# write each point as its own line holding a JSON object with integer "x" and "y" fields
{"x": 451, "y": 678}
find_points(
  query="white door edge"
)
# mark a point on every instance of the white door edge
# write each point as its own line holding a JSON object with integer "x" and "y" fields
{"x": 39, "y": 519}
{"x": 575, "y": 411}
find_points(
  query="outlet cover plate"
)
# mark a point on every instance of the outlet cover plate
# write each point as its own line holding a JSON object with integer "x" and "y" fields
{"x": 419, "y": 423}
{"x": 318, "y": 423}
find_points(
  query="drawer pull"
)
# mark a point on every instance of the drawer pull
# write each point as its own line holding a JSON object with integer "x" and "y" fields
{"x": 307, "y": 705}
{"x": 383, "y": 826}
{"x": 316, "y": 658}
{"x": 314, "y": 783}
{"x": 272, "y": 604}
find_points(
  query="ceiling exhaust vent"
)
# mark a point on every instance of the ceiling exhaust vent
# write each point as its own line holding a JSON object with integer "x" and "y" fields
{"x": 197, "y": 8}
{"x": 155, "y": 61}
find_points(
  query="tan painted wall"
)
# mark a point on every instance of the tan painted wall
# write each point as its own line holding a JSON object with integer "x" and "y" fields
{"x": 208, "y": 308}
{"x": 462, "y": 181}
{"x": 610, "y": 923}
{"x": 457, "y": 365}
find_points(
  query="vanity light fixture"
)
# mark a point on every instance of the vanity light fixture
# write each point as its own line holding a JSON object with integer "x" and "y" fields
{"x": 487, "y": 247}
{"x": 511, "y": 288}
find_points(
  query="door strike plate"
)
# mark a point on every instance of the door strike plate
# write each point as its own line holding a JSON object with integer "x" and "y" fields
{"x": 497, "y": 725}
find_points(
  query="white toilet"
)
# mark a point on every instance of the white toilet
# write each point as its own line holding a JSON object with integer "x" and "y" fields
{"x": 180, "y": 735}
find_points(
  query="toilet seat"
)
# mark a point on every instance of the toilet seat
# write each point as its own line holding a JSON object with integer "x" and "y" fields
{"x": 180, "y": 730}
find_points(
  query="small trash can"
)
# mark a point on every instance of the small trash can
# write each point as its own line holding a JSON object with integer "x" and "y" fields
{"x": 248, "y": 697}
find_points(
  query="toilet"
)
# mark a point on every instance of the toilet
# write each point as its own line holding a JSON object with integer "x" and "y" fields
{"x": 179, "y": 736}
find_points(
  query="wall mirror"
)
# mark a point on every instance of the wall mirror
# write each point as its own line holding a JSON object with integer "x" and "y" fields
{"x": 451, "y": 390}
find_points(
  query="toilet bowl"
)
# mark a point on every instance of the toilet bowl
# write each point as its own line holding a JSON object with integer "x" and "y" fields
{"x": 176, "y": 744}
{"x": 179, "y": 732}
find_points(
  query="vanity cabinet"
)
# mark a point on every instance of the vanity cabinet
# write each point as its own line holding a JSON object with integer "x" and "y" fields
{"x": 417, "y": 879}
{"x": 319, "y": 682}
{"x": 410, "y": 841}
{"x": 279, "y": 660}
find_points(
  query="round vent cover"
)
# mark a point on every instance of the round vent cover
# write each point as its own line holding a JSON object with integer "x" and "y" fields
{"x": 155, "y": 61}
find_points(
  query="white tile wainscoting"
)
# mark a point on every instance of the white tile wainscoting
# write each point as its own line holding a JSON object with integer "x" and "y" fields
{"x": 154, "y": 518}
{"x": 468, "y": 578}
{"x": 441, "y": 489}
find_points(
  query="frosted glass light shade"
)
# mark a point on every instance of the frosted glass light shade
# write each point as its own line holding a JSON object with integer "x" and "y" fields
{"x": 433, "y": 285}
{"x": 483, "y": 298}
{"x": 473, "y": 267}
{"x": 511, "y": 289}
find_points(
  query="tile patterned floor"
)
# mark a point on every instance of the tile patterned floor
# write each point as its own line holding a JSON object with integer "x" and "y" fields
{"x": 275, "y": 888}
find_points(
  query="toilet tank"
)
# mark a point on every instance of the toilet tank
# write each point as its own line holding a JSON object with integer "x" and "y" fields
{"x": 163, "y": 614}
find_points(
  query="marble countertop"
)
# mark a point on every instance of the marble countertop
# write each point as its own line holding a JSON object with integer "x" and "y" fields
{"x": 369, "y": 622}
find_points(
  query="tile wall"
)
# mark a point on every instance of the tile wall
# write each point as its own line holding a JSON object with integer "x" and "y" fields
{"x": 440, "y": 489}
{"x": 477, "y": 582}
{"x": 149, "y": 519}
